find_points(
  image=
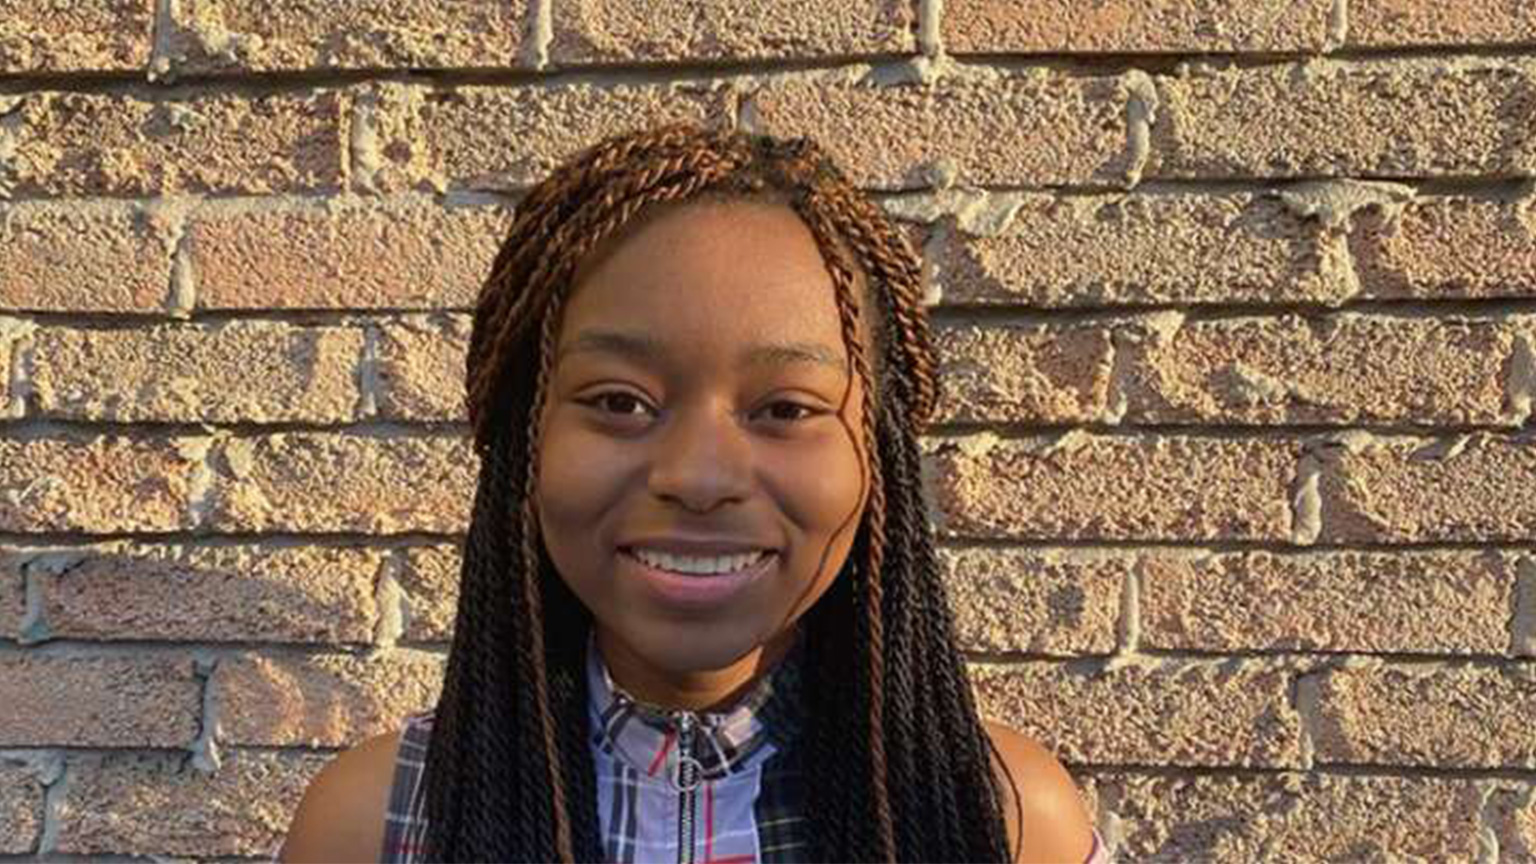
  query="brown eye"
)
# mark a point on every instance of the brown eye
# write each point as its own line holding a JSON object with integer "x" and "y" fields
{"x": 615, "y": 402}
{"x": 785, "y": 411}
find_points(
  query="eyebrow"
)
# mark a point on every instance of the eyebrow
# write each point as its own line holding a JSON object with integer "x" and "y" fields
{"x": 642, "y": 348}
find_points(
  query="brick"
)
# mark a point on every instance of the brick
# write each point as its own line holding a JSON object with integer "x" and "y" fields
{"x": 323, "y": 700}
{"x": 485, "y": 137}
{"x": 244, "y": 592}
{"x": 158, "y": 804}
{"x": 99, "y": 701}
{"x": 1512, "y": 817}
{"x": 92, "y": 36}
{"x": 1052, "y": 601}
{"x": 586, "y": 31}
{"x": 101, "y": 484}
{"x": 328, "y": 482}
{"x": 1431, "y": 602}
{"x": 211, "y": 36}
{"x": 406, "y": 252}
{"x": 429, "y": 578}
{"x": 84, "y": 256}
{"x": 1439, "y": 715}
{"x": 21, "y": 808}
{"x": 240, "y": 371}
{"x": 1187, "y": 713}
{"x": 1127, "y": 26}
{"x": 1294, "y": 817}
{"x": 1471, "y": 22}
{"x": 421, "y": 367}
{"x": 1390, "y": 118}
{"x": 999, "y": 128}
{"x": 15, "y": 344}
{"x": 121, "y": 144}
{"x": 1474, "y": 488}
{"x": 1039, "y": 374}
{"x": 1085, "y": 486}
{"x": 1447, "y": 247}
{"x": 1339, "y": 369}
{"x": 1113, "y": 250}
{"x": 13, "y": 591}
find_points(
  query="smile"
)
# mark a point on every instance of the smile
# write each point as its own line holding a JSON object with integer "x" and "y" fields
{"x": 698, "y": 565}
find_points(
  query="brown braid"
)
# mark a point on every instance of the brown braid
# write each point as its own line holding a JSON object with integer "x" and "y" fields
{"x": 897, "y": 763}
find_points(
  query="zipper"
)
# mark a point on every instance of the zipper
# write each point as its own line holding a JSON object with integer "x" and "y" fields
{"x": 685, "y": 781}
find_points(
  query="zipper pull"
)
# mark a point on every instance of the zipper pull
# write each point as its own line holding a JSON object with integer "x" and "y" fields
{"x": 690, "y": 771}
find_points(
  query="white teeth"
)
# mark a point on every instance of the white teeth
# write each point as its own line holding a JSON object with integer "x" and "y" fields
{"x": 704, "y": 565}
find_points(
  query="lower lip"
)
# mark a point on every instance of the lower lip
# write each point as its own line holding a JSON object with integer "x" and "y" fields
{"x": 697, "y": 591}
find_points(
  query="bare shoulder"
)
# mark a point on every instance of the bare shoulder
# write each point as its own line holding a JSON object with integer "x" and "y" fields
{"x": 341, "y": 817}
{"x": 1056, "y": 825}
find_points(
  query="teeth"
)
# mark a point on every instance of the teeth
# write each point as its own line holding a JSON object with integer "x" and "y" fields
{"x": 702, "y": 565}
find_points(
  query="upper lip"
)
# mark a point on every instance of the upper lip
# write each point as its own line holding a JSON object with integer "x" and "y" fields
{"x": 691, "y": 546}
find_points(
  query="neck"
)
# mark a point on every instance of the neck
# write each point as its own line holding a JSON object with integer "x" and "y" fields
{"x": 707, "y": 690}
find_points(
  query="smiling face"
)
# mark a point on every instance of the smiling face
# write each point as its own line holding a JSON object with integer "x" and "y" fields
{"x": 694, "y": 398}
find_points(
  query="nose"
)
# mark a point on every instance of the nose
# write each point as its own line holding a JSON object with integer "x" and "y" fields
{"x": 702, "y": 459}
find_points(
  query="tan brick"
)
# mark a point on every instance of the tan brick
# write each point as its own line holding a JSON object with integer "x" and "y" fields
{"x": 1513, "y": 821}
{"x": 1440, "y": 602}
{"x": 1088, "y": 486}
{"x": 407, "y": 252}
{"x": 98, "y": 701}
{"x": 1339, "y": 369}
{"x": 1470, "y": 22}
{"x": 1474, "y": 488}
{"x": 1054, "y": 601}
{"x": 1138, "y": 249}
{"x": 122, "y": 144}
{"x": 421, "y": 367}
{"x": 1448, "y": 247}
{"x": 1438, "y": 715}
{"x": 329, "y": 482}
{"x": 323, "y": 700}
{"x": 90, "y": 36}
{"x": 429, "y": 578}
{"x": 102, "y": 484}
{"x": 256, "y": 371}
{"x": 21, "y": 808}
{"x": 13, "y": 591}
{"x": 1389, "y": 118}
{"x": 158, "y": 804}
{"x": 1125, "y": 26}
{"x": 244, "y": 35}
{"x": 1294, "y": 817}
{"x": 1040, "y": 374}
{"x": 15, "y": 344}
{"x": 588, "y": 31}
{"x": 1000, "y": 128}
{"x": 84, "y": 256}
{"x": 214, "y": 593}
{"x": 1187, "y": 713}
{"x": 483, "y": 137}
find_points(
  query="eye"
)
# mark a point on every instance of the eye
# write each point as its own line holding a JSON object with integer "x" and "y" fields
{"x": 786, "y": 411}
{"x": 615, "y": 402}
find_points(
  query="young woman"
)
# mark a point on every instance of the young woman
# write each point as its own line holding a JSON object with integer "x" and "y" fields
{"x": 700, "y": 617}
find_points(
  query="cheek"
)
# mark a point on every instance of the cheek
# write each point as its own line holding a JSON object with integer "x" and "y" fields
{"x": 578, "y": 482}
{"x": 820, "y": 491}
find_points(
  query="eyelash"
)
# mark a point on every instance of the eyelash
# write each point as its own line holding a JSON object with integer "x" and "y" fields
{"x": 596, "y": 400}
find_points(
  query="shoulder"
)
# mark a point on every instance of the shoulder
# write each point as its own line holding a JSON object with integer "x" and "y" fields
{"x": 1056, "y": 826}
{"x": 341, "y": 817}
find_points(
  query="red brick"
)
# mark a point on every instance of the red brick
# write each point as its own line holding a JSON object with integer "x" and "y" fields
{"x": 1469, "y": 22}
{"x": 407, "y": 252}
{"x": 82, "y": 36}
{"x": 319, "y": 481}
{"x": 97, "y": 485}
{"x": 243, "y": 35}
{"x": 157, "y": 804}
{"x": 1476, "y": 489}
{"x": 98, "y": 701}
{"x": 1430, "y": 602}
{"x": 429, "y": 577}
{"x": 421, "y": 367}
{"x": 1179, "y": 713}
{"x": 1000, "y": 128}
{"x": 1025, "y": 374}
{"x": 1339, "y": 369}
{"x": 21, "y": 808}
{"x": 84, "y": 256}
{"x": 1053, "y": 601}
{"x": 1125, "y": 26}
{"x": 588, "y": 31}
{"x": 1449, "y": 247}
{"x": 323, "y": 700}
{"x": 1389, "y": 118}
{"x": 1085, "y": 486}
{"x": 208, "y": 593}
{"x": 121, "y": 144}
{"x": 254, "y": 371}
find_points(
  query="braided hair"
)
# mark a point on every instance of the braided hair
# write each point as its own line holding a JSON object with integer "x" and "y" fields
{"x": 897, "y": 762}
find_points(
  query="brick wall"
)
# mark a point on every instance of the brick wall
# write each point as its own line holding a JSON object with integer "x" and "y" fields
{"x": 1236, "y": 467}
